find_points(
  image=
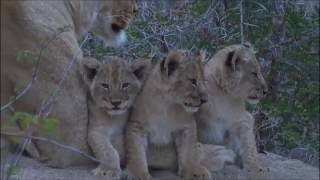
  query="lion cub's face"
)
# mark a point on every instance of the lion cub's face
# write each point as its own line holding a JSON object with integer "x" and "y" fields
{"x": 112, "y": 18}
{"x": 243, "y": 65}
{"x": 114, "y": 83}
{"x": 184, "y": 76}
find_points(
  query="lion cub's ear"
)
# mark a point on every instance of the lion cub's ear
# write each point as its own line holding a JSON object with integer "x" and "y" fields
{"x": 88, "y": 69}
{"x": 141, "y": 68}
{"x": 200, "y": 55}
{"x": 233, "y": 60}
{"x": 171, "y": 63}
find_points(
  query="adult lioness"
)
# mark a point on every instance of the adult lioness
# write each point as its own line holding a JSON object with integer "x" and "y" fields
{"x": 28, "y": 25}
{"x": 163, "y": 115}
{"x": 233, "y": 76}
{"x": 113, "y": 85}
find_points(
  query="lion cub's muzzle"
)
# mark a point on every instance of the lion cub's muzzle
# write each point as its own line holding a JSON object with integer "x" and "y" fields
{"x": 115, "y": 104}
{"x": 116, "y": 107}
{"x": 257, "y": 94}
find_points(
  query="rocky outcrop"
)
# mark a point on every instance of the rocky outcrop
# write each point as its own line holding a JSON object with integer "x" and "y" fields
{"x": 278, "y": 168}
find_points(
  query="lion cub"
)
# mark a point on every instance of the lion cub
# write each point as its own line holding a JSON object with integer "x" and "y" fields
{"x": 233, "y": 77}
{"x": 163, "y": 114}
{"x": 113, "y": 85}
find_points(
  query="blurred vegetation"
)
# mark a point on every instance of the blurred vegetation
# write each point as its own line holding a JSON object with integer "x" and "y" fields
{"x": 41, "y": 125}
{"x": 47, "y": 125}
{"x": 286, "y": 37}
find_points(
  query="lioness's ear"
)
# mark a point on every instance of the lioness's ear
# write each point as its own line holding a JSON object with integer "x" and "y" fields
{"x": 233, "y": 60}
{"x": 141, "y": 68}
{"x": 171, "y": 63}
{"x": 88, "y": 69}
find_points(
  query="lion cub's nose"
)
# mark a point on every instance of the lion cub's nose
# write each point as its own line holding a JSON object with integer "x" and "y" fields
{"x": 115, "y": 103}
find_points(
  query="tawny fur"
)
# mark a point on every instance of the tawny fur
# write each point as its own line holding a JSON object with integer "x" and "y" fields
{"x": 113, "y": 85}
{"x": 233, "y": 76}
{"x": 163, "y": 116}
{"x": 28, "y": 26}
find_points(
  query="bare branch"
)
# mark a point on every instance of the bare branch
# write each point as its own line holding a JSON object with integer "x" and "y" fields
{"x": 70, "y": 148}
{"x": 241, "y": 22}
{"x": 46, "y": 106}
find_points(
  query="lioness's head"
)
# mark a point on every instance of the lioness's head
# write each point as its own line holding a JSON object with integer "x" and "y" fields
{"x": 114, "y": 83}
{"x": 238, "y": 72}
{"x": 105, "y": 18}
{"x": 110, "y": 26}
{"x": 183, "y": 75}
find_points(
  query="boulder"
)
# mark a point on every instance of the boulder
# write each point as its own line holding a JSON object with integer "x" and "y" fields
{"x": 278, "y": 167}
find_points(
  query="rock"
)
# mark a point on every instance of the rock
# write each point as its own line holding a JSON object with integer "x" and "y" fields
{"x": 279, "y": 168}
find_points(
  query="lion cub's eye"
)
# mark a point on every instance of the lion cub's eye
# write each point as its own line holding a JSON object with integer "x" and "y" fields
{"x": 194, "y": 82}
{"x": 105, "y": 85}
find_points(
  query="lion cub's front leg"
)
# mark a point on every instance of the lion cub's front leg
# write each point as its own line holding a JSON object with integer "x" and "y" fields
{"x": 137, "y": 166}
{"x": 189, "y": 166}
{"x": 247, "y": 145}
{"x": 105, "y": 152}
{"x": 248, "y": 151}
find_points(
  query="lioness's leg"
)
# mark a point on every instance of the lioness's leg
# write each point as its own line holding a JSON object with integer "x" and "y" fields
{"x": 136, "y": 142}
{"x": 105, "y": 152}
{"x": 188, "y": 156}
{"x": 70, "y": 109}
{"x": 7, "y": 92}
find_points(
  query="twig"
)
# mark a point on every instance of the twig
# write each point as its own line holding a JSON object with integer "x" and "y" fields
{"x": 26, "y": 140}
{"x": 200, "y": 21}
{"x": 18, "y": 154}
{"x": 34, "y": 72}
{"x": 241, "y": 22}
{"x": 48, "y": 103}
{"x": 248, "y": 24}
{"x": 70, "y": 148}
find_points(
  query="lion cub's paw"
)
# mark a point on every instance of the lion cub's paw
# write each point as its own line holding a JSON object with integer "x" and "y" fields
{"x": 195, "y": 173}
{"x": 111, "y": 174}
{"x": 137, "y": 175}
{"x": 255, "y": 168}
{"x": 255, "y": 171}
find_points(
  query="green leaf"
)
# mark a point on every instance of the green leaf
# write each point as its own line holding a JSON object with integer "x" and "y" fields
{"x": 24, "y": 119}
{"x": 49, "y": 125}
{"x": 25, "y": 55}
{"x": 13, "y": 169}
